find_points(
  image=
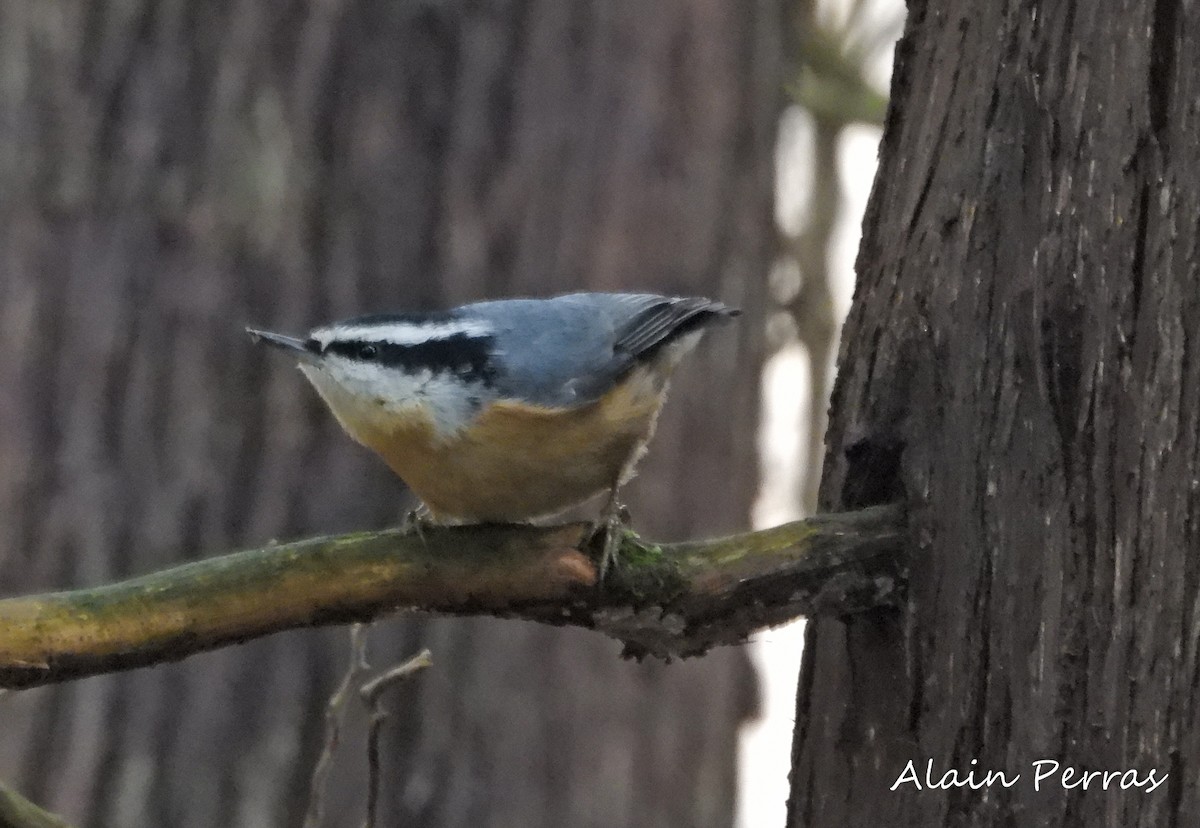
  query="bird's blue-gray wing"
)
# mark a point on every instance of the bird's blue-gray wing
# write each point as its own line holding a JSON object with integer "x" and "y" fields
{"x": 570, "y": 350}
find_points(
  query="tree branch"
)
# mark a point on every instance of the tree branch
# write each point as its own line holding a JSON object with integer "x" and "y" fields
{"x": 18, "y": 812}
{"x": 664, "y": 600}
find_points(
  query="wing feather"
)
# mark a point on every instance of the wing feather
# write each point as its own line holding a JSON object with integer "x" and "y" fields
{"x": 570, "y": 350}
{"x": 664, "y": 319}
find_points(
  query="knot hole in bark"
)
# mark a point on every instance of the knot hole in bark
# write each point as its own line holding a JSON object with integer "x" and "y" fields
{"x": 873, "y": 472}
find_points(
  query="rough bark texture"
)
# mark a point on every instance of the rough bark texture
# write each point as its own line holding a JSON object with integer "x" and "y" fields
{"x": 172, "y": 171}
{"x": 1021, "y": 362}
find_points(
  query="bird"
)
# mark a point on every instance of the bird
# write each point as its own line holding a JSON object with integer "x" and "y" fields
{"x": 509, "y": 410}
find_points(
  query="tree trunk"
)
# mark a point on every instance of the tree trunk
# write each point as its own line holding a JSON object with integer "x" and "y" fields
{"x": 174, "y": 171}
{"x": 1020, "y": 363}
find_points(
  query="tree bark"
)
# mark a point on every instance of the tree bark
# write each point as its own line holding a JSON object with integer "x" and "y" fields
{"x": 173, "y": 171}
{"x": 1020, "y": 364}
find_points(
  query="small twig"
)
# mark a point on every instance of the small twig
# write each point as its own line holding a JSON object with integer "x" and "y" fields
{"x": 335, "y": 712}
{"x": 370, "y": 694}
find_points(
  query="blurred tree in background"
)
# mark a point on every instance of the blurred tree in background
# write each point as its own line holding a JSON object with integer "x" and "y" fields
{"x": 833, "y": 44}
{"x": 171, "y": 171}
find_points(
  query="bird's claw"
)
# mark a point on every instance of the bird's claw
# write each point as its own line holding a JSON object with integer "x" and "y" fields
{"x": 612, "y": 524}
{"x": 415, "y": 520}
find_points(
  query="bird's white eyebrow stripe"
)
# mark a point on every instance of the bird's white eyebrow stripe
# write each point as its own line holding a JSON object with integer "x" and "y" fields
{"x": 403, "y": 333}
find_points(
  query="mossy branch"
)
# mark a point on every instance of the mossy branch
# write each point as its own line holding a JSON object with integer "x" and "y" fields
{"x": 664, "y": 600}
{"x": 18, "y": 812}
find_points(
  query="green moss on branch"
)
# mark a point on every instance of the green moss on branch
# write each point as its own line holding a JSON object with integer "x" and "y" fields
{"x": 666, "y": 600}
{"x": 18, "y": 812}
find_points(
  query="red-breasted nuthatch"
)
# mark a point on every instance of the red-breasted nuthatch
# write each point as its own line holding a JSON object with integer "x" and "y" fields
{"x": 506, "y": 410}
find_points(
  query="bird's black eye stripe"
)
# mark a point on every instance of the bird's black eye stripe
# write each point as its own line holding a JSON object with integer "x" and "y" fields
{"x": 312, "y": 344}
{"x": 468, "y": 357}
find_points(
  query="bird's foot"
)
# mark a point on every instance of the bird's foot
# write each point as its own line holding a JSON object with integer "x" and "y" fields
{"x": 416, "y": 520}
{"x": 611, "y": 526}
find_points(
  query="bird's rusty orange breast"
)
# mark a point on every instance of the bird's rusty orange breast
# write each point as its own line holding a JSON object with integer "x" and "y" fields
{"x": 518, "y": 461}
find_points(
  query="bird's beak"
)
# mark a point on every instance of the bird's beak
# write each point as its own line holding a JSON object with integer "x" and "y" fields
{"x": 291, "y": 344}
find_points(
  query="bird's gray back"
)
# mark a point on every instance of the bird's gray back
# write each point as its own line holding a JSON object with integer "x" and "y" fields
{"x": 570, "y": 350}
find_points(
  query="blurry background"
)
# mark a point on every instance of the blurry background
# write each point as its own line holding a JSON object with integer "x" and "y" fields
{"x": 828, "y": 138}
{"x": 171, "y": 171}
